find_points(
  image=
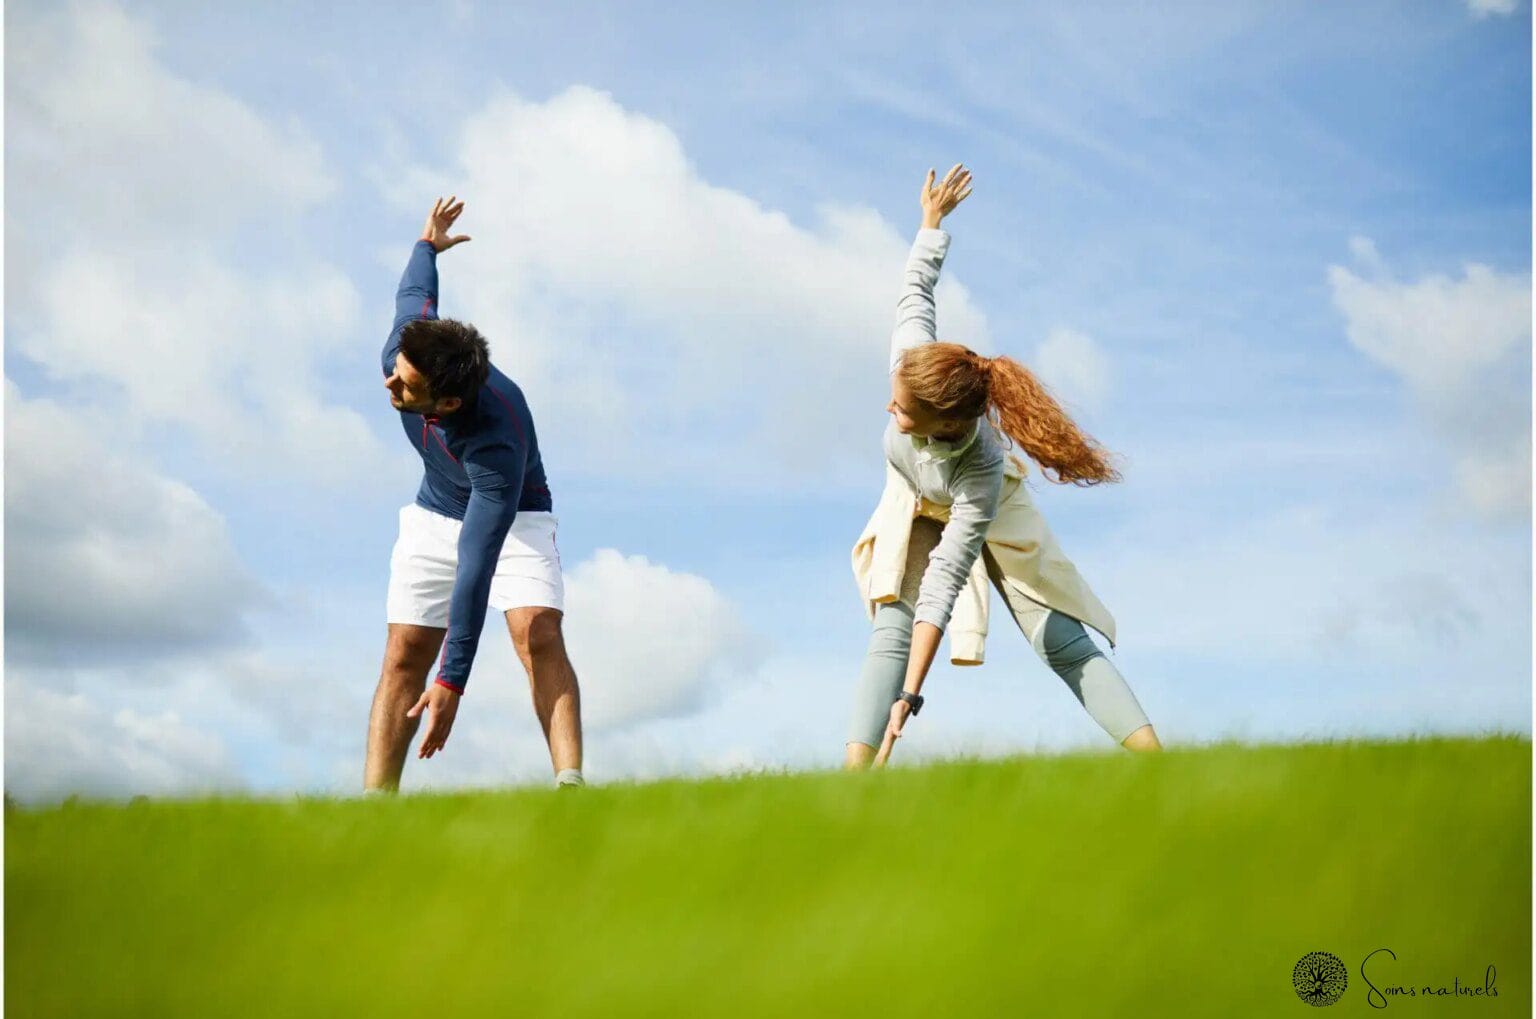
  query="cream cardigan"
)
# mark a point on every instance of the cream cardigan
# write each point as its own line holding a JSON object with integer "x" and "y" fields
{"x": 1018, "y": 538}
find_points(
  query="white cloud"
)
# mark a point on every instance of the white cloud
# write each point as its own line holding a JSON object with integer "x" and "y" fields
{"x": 1364, "y": 250}
{"x": 1363, "y": 616}
{"x": 105, "y": 556}
{"x": 656, "y": 651}
{"x": 312, "y": 700}
{"x": 106, "y": 144}
{"x": 1313, "y": 585}
{"x": 58, "y": 744}
{"x": 1074, "y": 367}
{"x": 282, "y": 717}
{"x": 234, "y": 358}
{"x": 137, "y": 199}
{"x": 661, "y": 322}
{"x": 1483, "y": 8}
{"x": 1463, "y": 349}
{"x": 1497, "y": 482}
{"x": 648, "y": 642}
{"x": 740, "y": 724}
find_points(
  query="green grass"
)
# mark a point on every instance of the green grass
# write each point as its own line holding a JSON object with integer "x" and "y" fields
{"x": 1182, "y": 884}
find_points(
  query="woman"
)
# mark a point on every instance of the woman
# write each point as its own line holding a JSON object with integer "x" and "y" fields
{"x": 956, "y": 502}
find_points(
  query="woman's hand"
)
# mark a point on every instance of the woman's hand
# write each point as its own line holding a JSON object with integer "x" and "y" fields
{"x": 899, "y": 712}
{"x": 940, "y": 201}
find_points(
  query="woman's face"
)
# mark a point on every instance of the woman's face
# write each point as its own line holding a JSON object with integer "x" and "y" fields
{"x": 912, "y": 418}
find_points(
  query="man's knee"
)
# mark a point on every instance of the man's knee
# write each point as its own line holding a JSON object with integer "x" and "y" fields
{"x": 537, "y": 636}
{"x": 410, "y": 652}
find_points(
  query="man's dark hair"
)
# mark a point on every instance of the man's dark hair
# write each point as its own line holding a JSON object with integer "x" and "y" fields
{"x": 452, "y": 356}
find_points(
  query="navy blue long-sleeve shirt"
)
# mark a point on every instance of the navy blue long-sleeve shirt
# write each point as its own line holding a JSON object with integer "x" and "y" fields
{"x": 482, "y": 466}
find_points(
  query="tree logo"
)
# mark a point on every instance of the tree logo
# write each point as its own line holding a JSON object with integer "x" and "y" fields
{"x": 1320, "y": 978}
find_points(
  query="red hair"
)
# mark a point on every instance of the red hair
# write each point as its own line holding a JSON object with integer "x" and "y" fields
{"x": 957, "y": 383}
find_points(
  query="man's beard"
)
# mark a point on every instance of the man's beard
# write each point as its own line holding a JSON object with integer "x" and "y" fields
{"x": 401, "y": 405}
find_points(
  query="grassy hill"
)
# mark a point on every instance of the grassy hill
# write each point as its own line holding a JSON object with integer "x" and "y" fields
{"x": 1186, "y": 884}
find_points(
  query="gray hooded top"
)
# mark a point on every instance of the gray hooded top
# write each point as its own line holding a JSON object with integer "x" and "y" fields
{"x": 967, "y": 474}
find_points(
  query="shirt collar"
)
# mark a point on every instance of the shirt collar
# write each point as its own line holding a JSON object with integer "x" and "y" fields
{"x": 939, "y": 449}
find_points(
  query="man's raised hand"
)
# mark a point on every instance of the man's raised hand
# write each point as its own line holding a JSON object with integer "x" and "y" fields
{"x": 440, "y": 221}
{"x": 940, "y": 201}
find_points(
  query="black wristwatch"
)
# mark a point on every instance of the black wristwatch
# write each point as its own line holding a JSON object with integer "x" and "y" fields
{"x": 914, "y": 699}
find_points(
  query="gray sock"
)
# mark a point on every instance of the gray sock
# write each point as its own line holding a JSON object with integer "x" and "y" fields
{"x": 569, "y": 777}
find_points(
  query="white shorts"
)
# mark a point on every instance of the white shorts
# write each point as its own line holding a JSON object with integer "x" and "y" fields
{"x": 425, "y": 561}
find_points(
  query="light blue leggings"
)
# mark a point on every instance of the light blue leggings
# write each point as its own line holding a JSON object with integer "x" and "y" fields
{"x": 1059, "y": 639}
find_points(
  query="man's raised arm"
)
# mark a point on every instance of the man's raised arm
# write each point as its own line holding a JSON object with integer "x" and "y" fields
{"x": 416, "y": 297}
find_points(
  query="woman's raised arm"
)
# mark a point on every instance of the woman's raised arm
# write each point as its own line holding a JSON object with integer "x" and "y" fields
{"x": 916, "y": 313}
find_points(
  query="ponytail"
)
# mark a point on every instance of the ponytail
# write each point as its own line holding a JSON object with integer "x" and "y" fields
{"x": 957, "y": 383}
{"x": 1024, "y": 410}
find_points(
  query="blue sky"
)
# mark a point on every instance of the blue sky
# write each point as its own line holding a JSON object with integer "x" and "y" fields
{"x": 1277, "y": 256}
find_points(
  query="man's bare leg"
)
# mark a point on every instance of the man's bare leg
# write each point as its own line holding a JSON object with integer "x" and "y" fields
{"x": 408, "y": 657}
{"x": 540, "y": 645}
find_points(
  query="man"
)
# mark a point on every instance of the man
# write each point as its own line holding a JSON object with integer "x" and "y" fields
{"x": 480, "y": 532}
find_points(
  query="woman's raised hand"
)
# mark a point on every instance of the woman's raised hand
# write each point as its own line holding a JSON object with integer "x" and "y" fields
{"x": 940, "y": 201}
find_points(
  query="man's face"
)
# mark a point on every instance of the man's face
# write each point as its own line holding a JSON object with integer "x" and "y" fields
{"x": 408, "y": 389}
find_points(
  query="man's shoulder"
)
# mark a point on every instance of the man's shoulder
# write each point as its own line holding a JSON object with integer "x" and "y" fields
{"x": 500, "y": 391}
{"x": 500, "y": 378}
{"x": 499, "y": 415}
